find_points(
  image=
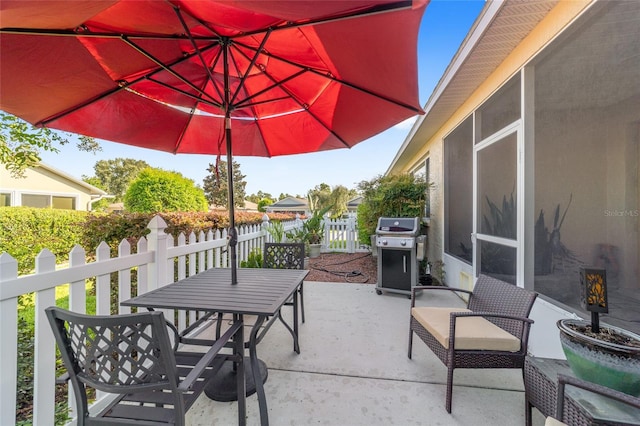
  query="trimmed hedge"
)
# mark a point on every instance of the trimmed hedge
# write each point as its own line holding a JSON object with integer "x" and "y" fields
{"x": 25, "y": 231}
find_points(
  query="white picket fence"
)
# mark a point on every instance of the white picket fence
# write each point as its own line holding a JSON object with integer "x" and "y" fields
{"x": 157, "y": 260}
{"x": 341, "y": 235}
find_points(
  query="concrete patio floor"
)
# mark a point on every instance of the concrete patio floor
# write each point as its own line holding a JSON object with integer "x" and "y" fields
{"x": 353, "y": 370}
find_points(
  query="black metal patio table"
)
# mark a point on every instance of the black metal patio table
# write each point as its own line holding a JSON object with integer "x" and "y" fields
{"x": 260, "y": 292}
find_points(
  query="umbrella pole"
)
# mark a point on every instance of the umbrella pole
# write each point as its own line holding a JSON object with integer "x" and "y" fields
{"x": 233, "y": 233}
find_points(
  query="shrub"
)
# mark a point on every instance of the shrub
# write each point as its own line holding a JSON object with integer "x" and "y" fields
{"x": 389, "y": 196}
{"x": 25, "y": 231}
{"x": 155, "y": 190}
{"x": 254, "y": 260}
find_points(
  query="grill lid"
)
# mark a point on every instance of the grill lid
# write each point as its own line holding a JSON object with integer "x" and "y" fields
{"x": 397, "y": 226}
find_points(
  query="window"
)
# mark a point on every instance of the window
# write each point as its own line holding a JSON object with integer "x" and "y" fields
{"x": 587, "y": 156}
{"x": 35, "y": 200}
{"x": 458, "y": 194}
{"x": 68, "y": 203}
{"x": 5, "y": 199}
{"x": 500, "y": 110}
{"x": 423, "y": 173}
{"x": 44, "y": 201}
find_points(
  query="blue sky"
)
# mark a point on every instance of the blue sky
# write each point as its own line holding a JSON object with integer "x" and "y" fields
{"x": 444, "y": 26}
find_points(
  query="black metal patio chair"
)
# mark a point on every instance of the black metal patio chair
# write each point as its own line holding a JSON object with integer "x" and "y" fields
{"x": 132, "y": 357}
{"x": 286, "y": 256}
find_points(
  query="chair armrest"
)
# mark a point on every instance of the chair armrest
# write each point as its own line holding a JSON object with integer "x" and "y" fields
{"x": 564, "y": 380}
{"x": 208, "y": 357}
{"x": 490, "y": 314}
{"x": 417, "y": 288}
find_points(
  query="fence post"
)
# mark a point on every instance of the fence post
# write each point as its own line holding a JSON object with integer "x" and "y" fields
{"x": 352, "y": 237}
{"x": 157, "y": 242}
{"x": 44, "y": 369}
{"x": 265, "y": 224}
{"x": 9, "y": 339}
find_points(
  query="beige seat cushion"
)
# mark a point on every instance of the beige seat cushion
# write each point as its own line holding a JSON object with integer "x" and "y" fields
{"x": 473, "y": 333}
{"x": 553, "y": 422}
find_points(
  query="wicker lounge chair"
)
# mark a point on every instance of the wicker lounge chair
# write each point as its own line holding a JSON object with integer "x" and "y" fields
{"x": 132, "y": 357}
{"x": 492, "y": 332}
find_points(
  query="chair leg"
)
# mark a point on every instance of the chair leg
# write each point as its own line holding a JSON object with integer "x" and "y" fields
{"x": 410, "y": 342}
{"x": 301, "y": 291}
{"x": 449, "y": 388}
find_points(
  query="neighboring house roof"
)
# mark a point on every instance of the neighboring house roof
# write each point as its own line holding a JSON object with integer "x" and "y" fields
{"x": 248, "y": 206}
{"x": 289, "y": 204}
{"x": 500, "y": 27}
{"x": 92, "y": 189}
{"x": 353, "y": 203}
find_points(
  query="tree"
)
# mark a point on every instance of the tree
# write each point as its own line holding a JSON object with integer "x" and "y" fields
{"x": 21, "y": 143}
{"x": 216, "y": 185}
{"x": 319, "y": 197}
{"x": 389, "y": 196}
{"x": 338, "y": 199}
{"x": 116, "y": 175}
{"x": 103, "y": 204}
{"x": 262, "y": 204}
{"x": 156, "y": 190}
{"x": 255, "y": 198}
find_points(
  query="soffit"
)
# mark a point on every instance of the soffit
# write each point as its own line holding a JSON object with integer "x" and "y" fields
{"x": 499, "y": 28}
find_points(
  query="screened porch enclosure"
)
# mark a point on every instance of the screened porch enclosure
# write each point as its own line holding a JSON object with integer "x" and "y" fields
{"x": 587, "y": 152}
{"x": 543, "y": 177}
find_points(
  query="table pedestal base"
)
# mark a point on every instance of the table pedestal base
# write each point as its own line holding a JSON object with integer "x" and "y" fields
{"x": 222, "y": 387}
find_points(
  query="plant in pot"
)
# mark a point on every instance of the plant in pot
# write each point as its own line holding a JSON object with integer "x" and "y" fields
{"x": 313, "y": 229}
{"x": 602, "y": 354}
{"x": 276, "y": 231}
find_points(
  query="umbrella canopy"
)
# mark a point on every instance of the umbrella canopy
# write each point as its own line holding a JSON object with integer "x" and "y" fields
{"x": 253, "y": 78}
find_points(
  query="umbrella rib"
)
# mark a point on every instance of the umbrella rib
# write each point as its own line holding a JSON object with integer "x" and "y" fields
{"x": 251, "y": 65}
{"x": 122, "y": 85}
{"x": 244, "y": 102}
{"x": 90, "y": 34}
{"x": 165, "y": 67}
{"x": 182, "y": 92}
{"x": 78, "y": 106}
{"x": 331, "y": 77}
{"x": 303, "y": 105}
{"x": 306, "y": 108}
{"x": 399, "y": 5}
{"x": 197, "y": 50}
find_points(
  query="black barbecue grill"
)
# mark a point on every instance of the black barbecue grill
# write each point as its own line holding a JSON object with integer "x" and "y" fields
{"x": 400, "y": 250}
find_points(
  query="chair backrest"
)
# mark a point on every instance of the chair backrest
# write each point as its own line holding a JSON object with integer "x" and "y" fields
{"x": 117, "y": 354}
{"x": 496, "y": 296}
{"x": 283, "y": 256}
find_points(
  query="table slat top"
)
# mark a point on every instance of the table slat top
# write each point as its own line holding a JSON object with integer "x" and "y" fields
{"x": 258, "y": 291}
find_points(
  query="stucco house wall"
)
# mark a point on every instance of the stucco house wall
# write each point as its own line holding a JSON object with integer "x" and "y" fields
{"x": 48, "y": 181}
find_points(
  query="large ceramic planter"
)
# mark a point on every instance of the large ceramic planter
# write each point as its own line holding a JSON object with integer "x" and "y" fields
{"x": 608, "y": 364}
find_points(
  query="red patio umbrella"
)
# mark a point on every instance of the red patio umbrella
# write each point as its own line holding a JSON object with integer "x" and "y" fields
{"x": 252, "y": 78}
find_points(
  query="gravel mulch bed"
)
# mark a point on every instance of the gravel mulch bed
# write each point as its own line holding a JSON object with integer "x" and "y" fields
{"x": 361, "y": 268}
